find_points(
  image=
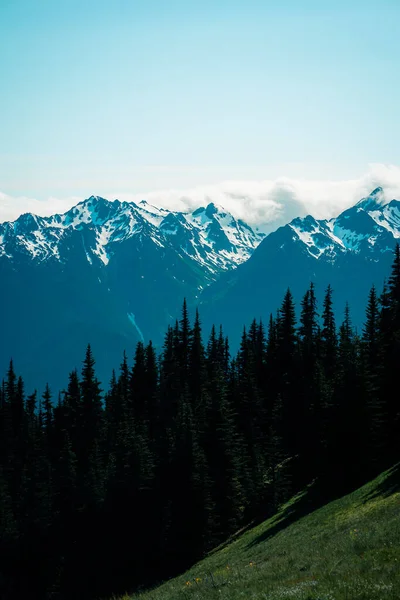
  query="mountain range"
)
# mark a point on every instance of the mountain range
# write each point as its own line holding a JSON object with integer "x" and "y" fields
{"x": 114, "y": 273}
{"x": 111, "y": 273}
{"x": 351, "y": 252}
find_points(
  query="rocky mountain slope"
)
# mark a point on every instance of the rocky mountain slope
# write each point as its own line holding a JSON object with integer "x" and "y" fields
{"x": 111, "y": 273}
{"x": 351, "y": 252}
{"x": 208, "y": 236}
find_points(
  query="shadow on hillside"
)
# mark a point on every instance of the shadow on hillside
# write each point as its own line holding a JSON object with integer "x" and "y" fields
{"x": 390, "y": 485}
{"x": 308, "y": 502}
{"x": 317, "y": 496}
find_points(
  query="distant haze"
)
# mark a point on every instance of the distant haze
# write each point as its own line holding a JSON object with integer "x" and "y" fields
{"x": 263, "y": 204}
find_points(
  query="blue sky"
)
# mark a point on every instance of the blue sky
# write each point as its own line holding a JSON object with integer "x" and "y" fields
{"x": 130, "y": 96}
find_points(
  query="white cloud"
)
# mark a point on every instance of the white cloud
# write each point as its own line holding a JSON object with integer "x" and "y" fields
{"x": 271, "y": 203}
{"x": 266, "y": 204}
{"x": 11, "y": 207}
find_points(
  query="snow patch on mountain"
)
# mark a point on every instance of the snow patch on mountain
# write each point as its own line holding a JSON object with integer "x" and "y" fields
{"x": 132, "y": 320}
{"x": 209, "y": 235}
{"x": 388, "y": 217}
{"x": 363, "y": 226}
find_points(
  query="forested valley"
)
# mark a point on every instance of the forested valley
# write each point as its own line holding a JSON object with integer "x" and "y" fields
{"x": 114, "y": 486}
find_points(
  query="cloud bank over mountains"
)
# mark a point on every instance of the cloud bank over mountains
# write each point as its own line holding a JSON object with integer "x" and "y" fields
{"x": 264, "y": 204}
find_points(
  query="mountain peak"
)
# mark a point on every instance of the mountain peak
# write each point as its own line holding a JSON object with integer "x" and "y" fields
{"x": 95, "y": 200}
{"x": 26, "y": 223}
{"x": 375, "y": 200}
{"x": 377, "y": 191}
{"x": 215, "y": 209}
{"x": 148, "y": 208}
{"x": 208, "y": 235}
{"x": 368, "y": 226}
{"x": 211, "y": 209}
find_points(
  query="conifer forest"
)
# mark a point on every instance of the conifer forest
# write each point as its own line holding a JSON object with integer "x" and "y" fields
{"x": 107, "y": 487}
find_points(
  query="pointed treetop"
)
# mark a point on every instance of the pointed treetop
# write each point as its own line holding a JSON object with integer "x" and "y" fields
{"x": 394, "y": 279}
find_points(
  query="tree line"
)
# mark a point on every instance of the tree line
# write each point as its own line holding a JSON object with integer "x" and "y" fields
{"x": 103, "y": 492}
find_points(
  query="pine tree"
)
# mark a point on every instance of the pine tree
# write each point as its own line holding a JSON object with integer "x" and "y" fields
{"x": 329, "y": 337}
{"x": 370, "y": 376}
{"x": 310, "y": 387}
{"x": 74, "y": 411}
{"x": 349, "y": 416}
{"x": 389, "y": 332}
{"x": 126, "y": 386}
{"x": 152, "y": 393}
{"x": 271, "y": 368}
{"x": 394, "y": 294}
{"x": 287, "y": 365}
{"x": 197, "y": 370}
{"x": 221, "y": 444}
{"x": 394, "y": 288}
{"x": 185, "y": 338}
{"x": 14, "y": 443}
{"x": 370, "y": 330}
{"x": 90, "y": 467}
{"x": 137, "y": 399}
{"x": 186, "y": 510}
{"x": 250, "y": 420}
{"x": 47, "y": 416}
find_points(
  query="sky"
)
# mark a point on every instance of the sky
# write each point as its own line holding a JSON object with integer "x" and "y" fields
{"x": 172, "y": 99}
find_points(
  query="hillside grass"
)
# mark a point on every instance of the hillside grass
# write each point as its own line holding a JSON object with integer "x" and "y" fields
{"x": 348, "y": 549}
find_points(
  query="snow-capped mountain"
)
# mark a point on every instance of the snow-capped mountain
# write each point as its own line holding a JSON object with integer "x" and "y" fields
{"x": 208, "y": 236}
{"x": 351, "y": 252}
{"x": 109, "y": 273}
{"x": 369, "y": 226}
{"x": 114, "y": 273}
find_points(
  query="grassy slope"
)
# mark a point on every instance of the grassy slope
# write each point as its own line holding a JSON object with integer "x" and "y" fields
{"x": 347, "y": 550}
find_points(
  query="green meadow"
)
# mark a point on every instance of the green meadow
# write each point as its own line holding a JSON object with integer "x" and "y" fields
{"x": 348, "y": 549}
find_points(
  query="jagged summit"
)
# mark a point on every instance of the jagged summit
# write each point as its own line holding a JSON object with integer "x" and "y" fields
{"x": 365, "y": 225}
{"x": 350, "y": 252}
{"x": 209, "y": 210}
{"x": 376, "y": 193}
{"x": 116, "y": 272}
{"x": 209, "y": 236}
{"x": 373, "y": 201}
